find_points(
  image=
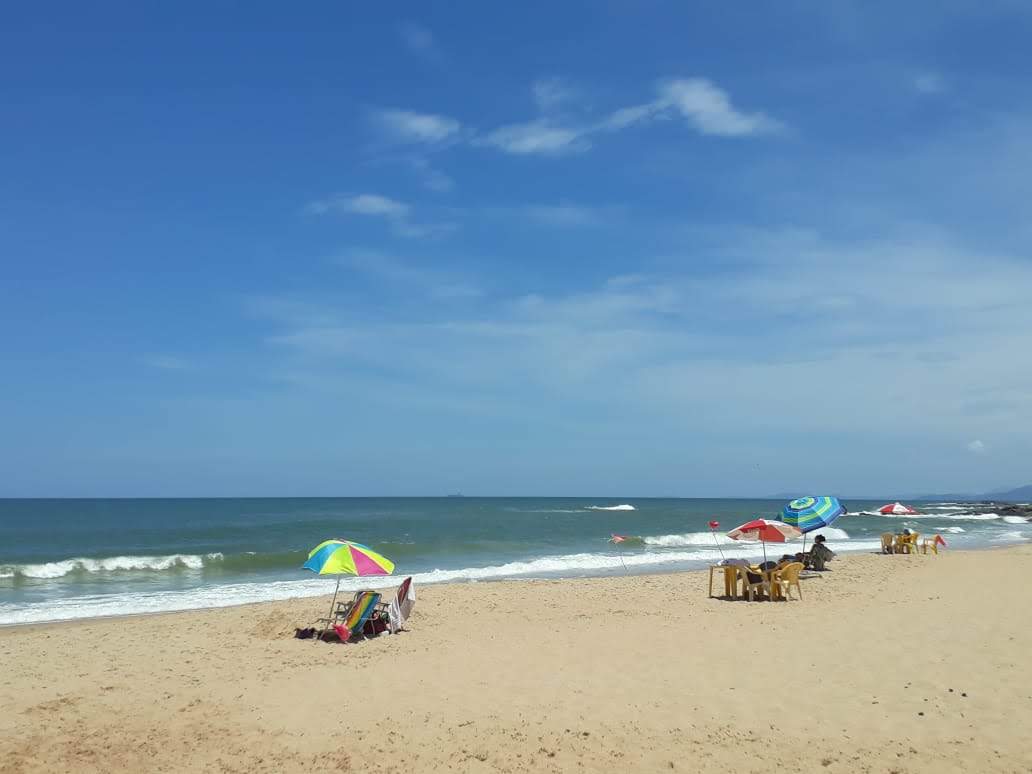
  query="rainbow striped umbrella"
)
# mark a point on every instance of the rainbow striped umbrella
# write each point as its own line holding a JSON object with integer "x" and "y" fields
{"x": 810, "y": 513}
{"x": 336, "y": 557}
{"x": 342, "y": 557}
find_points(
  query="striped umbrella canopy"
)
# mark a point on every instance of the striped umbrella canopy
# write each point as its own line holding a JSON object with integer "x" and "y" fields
{"x": 810, "y": 513}
{"x": 335, "y": 557}
{"x": 343, "y": 557}
{"x": 764, "y": 531}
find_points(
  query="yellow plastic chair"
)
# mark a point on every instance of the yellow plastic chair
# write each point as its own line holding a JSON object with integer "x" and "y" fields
{"x": 932, "y": 543}
{"x": 788, "y": 577}
{"x": 749, "y": 586}
{"x": 888, "y": 543}
{"x": 912, "y": 543}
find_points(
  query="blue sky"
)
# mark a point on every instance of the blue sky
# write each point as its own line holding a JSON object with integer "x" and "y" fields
{"x": 617, "y": 249}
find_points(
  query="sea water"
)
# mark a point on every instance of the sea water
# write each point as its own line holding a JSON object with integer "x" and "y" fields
{"x": 64, "y": 559}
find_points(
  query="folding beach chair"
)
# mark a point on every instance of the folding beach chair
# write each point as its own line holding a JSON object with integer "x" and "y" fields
{"x": 354, "y": 620}
{"x": 400, "y": 608}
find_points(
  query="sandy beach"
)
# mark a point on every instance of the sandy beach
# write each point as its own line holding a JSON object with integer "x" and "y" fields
{"x": 903, "y": 664}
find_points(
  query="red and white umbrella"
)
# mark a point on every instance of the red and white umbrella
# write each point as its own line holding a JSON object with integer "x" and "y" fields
{"x": 765, "y": 531}
{"x": 896, "y": 509}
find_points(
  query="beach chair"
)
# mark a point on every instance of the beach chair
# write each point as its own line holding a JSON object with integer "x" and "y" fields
{"x": 362, "y": 607}
{"x": 343, "y": 609}
{"x": 910, "y": 544}
{"x": 399, "y": 609}
{"x": 787, "y": 577}
{"x": 888, "y": 543}
{"x": 750, "y": 587}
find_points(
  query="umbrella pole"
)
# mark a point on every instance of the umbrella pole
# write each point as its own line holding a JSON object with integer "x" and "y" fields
{"x": 717, "y": 543}
{"x": 332, "y": 605}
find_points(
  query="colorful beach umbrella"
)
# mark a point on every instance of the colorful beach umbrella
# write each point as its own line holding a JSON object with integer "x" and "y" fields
{"x": 336, "y": 557}
{"x": 810, "y": 513}
{"x": 765, "y": 531}
{"x": 343, "y": 557}
{"x": 896, "y": 509}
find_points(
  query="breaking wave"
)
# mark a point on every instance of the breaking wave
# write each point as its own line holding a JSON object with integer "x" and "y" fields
{"x": 82, "y": 565}
{"x": 940, "y": 516}
{"x": 624, "y": 507}
{"x": 706, "y": 538}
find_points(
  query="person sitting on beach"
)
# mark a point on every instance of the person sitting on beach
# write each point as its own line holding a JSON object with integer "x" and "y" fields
{"x": 819, "y": 555}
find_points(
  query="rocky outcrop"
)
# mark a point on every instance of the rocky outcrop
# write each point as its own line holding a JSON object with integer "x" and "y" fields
{"x": 1007, "y": 509}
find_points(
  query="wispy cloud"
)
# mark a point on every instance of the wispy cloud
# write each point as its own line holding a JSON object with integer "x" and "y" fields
{"x": 419, "y": 40}
{"x": 929, "y": 83}
{"x": 536, "y": 137}
{"x": 566, "y": 214}
{"x": 431, "y": 177}
{"x": 410, "y": 126}
{"x": 393, "y": 270}
{"x": 553, "y": 93}
{"x": 977, "y": 447}
{"x": 703, "y": 105}
{"x": 706, "y": 107}
{"x": 397, "y": 213}
{"x": 360, "y": 204}
{"x": 709, "y": 110}
{"x": 168, "y": 362}
{"x": 735, "y": 345}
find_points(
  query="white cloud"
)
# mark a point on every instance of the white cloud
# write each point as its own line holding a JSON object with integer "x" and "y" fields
{"x": 709, "y": 109}
{"x": 419, "y": 40}
{"x": 431, "y": 177}
{"x": 390, "y": 269}
{"x": 410, "y": 126}
{"x": 168, "y": 362}
{"x": 361, "y": 204}
{"x": 564, "y": 214}
{"x": 536, "y": 137}
{"x": 706, "y": 107}
{"x": 373, "y": 205}
{"x": 929, "y": 83}
{"x": 551, "y": 93}
{"x": 977, "y": 447}
{"x": 914, "y": 327}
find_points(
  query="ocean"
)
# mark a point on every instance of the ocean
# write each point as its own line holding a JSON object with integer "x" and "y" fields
{"x": 66, "y": 559}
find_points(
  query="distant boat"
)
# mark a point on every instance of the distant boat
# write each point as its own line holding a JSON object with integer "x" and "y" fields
{"x": 457, "y": 494}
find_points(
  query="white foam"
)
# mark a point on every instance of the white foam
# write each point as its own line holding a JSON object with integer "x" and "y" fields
{"x": 624, "y": 507}
{"x": 1011, "y": 537}
{"x": 953, "y": 530}
{"x": 689, "y": 539}
{"x": 225, "y": 595}
{"x": 940, "y": 516}
{"x": 108, "y": 564}
{"x": 1015, "y": 519}
{"x": 706, "y": 538}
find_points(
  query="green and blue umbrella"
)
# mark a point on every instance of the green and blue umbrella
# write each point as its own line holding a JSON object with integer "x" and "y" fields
{"x": 810, "y": 513}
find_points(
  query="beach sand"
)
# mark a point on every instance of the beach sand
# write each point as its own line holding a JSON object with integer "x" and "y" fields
{"x": 890, "y": 663}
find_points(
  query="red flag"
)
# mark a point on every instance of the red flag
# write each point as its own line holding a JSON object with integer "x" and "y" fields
{"x": 940, "y": 541}
{"x": 714, "y": 524}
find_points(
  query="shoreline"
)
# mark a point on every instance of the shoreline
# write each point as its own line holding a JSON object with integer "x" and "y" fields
{"x": 641, "y": 571}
